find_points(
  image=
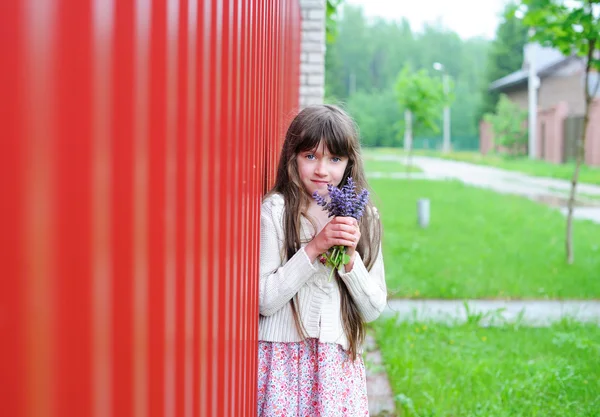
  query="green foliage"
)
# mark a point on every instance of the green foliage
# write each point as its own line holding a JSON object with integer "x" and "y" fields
{"x": 422, "y": 95}
{"x": 377, "y": 115}
{"x": 345, "y": 58}
{"x": 368, "y": 54}
{"x": 571, "y": 26}
{"x": 509, "y": 127}
{"x": 505, "y": 56}
{"x": 331, "y": 17}
{"x": 372, "y": 165}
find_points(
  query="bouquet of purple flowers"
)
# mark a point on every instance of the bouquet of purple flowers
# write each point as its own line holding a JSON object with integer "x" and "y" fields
{"x": 343, "y": 202}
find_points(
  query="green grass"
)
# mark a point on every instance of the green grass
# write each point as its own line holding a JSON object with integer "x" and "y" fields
{"x": 588, "y": 174}
{"x": 469, "y": 370}
{"x": 583, "y": 197}
{"x": 481, "y": 244}
{"x": 372, "y": 165}
{"x": 588, "y": 197}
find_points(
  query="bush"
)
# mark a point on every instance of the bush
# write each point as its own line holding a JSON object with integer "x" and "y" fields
{"x": 509, "y": 127}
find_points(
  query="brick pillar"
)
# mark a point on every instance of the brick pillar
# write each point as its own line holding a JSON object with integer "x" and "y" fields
{"x": 312, "y": 58}
{"x": 486, "y": 138}
{"x": 550, "y": 138}
{"x": 592, "y": 143}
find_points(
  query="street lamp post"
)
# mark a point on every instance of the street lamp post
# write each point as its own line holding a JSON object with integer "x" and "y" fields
{"x": 445, "y": 83}
{"x": 533, "y": 83}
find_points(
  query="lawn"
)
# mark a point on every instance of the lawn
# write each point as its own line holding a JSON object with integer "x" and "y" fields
{"x": 582, "y": 197}
{"x": 469, "y": 370}
{"x": 588, "y": 174}
{"x": 372, "y": 165}
{"x": 481, "y": 244}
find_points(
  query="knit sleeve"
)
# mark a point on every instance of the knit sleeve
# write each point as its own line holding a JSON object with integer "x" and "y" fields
{"x": 279, "y": 281}
{"x": 367, "y": 288}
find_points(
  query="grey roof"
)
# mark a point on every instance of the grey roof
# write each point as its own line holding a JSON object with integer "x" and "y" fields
{"x": 547, "y": 60}
{"x": 521, "y": 76}
{"x": 511, "y": 79}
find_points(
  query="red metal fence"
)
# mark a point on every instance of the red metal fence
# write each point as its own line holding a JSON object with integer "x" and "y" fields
{"x": 137, "y": 137}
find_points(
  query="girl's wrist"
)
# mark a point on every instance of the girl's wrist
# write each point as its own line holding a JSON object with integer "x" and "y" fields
{"x": 311, "y": 252}
{"x": 348, "y": 267}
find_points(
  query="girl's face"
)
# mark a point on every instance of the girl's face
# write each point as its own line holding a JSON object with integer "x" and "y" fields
{"x": 319, "y": 167}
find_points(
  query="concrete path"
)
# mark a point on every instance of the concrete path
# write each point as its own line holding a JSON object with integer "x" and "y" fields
{"x": 529, "y": 312}
{"x": 547, "y": 190}
{"x": 379, "y": 391}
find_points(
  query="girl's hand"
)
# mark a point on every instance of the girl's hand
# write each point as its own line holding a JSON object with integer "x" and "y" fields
{"x": 341, "y": 231}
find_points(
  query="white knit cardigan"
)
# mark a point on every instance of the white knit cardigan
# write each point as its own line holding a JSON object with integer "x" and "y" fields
{"x": 318, "y": 298}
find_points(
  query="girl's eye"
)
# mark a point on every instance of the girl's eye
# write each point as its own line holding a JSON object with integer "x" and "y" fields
{"x": 336, "y": 159}
{"x": 310, "y": 156}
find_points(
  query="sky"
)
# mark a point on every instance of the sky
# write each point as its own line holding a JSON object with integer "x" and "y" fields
{"x": 468, "y": 18}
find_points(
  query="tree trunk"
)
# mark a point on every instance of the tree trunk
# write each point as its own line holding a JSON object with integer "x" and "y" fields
{"x": 571, "y": 203}
{"x": 580, "y": 158}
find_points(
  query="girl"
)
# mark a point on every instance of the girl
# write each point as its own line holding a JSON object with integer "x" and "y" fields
{"x": 311, "y": 328}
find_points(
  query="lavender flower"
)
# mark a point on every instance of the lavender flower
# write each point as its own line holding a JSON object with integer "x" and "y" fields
{"x": 343, "y": 202}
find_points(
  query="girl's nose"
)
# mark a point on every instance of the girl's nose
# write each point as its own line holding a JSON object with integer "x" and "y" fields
{"x": 320, "y": 168}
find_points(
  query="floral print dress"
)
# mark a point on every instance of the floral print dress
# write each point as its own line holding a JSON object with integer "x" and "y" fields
{"x": 310, "y": 379}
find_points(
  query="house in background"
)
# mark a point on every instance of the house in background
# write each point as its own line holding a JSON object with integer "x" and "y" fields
{"x": 561, "y": 104}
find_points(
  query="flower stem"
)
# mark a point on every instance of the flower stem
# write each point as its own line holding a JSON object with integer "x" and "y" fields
{"x": 336, "y": 258}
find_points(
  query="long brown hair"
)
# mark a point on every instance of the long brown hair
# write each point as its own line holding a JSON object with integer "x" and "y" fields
{"x": 334, "y": 128}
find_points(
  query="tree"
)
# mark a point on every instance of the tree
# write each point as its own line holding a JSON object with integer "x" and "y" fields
{"x": 347, "y": 59}
{"x": 331, "y": 16}
{"x": 377, "y": 116}
{"x": 421, "y": 97}
{"x": 505, "y": 56}
{"x": 573, "y": 27}
{"x": 509, "y": 127}
{"x": 368, "y": 53}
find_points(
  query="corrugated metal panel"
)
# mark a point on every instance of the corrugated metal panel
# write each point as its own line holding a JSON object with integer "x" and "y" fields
{"x": 137, "y": 139}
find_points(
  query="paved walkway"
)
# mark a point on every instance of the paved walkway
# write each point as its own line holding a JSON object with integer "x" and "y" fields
{"x": 548, "y": 190}
{"x": 529, "y": 312}
{"x": 381, "y": 398}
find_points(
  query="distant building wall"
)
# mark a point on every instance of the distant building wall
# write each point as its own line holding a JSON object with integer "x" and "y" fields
{"x": 556, "y": 89}
{"x": 551, "y": 134}
{"x": 592, "y": 150}
{"x": 519, "y": 97}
